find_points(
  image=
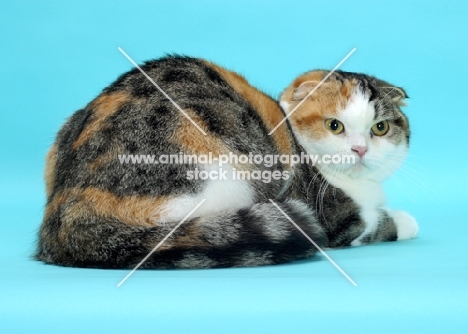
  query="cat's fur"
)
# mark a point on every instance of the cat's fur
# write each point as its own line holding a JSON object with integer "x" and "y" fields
{"x": 101, "y": 213}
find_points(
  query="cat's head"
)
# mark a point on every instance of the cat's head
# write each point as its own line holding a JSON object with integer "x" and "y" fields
{"x": 349, "y": 114}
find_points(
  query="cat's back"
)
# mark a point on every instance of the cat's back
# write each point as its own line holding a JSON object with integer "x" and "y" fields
{"x": 202, "y": 108}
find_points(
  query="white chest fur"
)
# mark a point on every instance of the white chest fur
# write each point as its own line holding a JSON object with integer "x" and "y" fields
{"x": 367, "y": 194}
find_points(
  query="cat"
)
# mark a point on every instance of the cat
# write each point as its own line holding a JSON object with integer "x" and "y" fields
{"x": 103, "y": 213}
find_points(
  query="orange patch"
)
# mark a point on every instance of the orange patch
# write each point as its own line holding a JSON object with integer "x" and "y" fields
{"x": 267, "y": 108}
{"x": 57, "y": 201}
{"x": 83, "y": 204}
{"x": 111, "y": 156}
{"x": 307, "y": 82}
{"x": 194, "y": 141}
{"x": 324, "y": 103}
{"x": 102, "y": 107}
{"x": 132, "y": 210}
{"x": 192, "y": 236}
{"x": 49, "y": 175}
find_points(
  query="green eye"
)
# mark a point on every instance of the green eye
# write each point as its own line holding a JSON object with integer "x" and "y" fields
{"x": 334, "y": 126}
{"x": 380, "y": 129}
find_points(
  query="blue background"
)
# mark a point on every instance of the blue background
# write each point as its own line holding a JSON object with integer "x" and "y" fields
{"x": 57, "y": 56}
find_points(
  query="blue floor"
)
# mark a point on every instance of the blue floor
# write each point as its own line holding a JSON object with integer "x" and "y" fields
{"x": 57, "y": 56}
{"x": 408, "y": 286}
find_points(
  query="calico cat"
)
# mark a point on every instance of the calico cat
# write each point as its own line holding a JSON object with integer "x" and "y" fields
{"x": 103, "y": 213}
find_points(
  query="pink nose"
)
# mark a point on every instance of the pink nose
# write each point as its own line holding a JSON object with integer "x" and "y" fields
{"x": 360, "y": 150}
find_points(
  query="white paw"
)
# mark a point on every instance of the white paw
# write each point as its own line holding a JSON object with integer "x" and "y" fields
{"x": 407, "y": 227}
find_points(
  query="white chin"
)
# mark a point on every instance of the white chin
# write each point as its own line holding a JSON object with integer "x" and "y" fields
{"x": 357, "y": 170}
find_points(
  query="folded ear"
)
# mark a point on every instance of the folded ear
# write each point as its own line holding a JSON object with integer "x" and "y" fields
{"x": 397, "y": 94}
{"x": 394, "y": 93}
{"x": 304, "y": 89}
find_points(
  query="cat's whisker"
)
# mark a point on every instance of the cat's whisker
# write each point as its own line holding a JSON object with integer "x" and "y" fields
{"x": 415, "y": 179}
{"x": 318, "y": 203}
{"x": 401, "y": 182}
{"x": 330, "y": 170}
{"x": 409, "y": 173}
{"x": 415, "y": 165}
{"x": 335, "y": 172}
{"x": 412, "y": 170}
{"x": 311, "y": 183}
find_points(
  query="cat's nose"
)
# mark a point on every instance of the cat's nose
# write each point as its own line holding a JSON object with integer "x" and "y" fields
{"x": 360, "y": 150}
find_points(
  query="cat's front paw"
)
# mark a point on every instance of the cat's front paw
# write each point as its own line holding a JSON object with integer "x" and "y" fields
{"x": 406, "y": 225}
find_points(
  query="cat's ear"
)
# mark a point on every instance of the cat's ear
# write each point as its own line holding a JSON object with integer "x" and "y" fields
{"x": 393, "y": 93}
{"x": 304, "y": 89}
{"x": 400, "y": 96}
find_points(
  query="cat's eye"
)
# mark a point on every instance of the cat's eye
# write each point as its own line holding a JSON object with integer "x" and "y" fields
{"x": 334, "y": 126}
{"x": 380, "y": 128}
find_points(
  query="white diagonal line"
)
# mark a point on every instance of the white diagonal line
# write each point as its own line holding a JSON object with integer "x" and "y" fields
{"x": 312, "y": 91}
{"x": 159, "y": 244}
{"x": 163, "y": 92}
{"x": 313, "y": 242}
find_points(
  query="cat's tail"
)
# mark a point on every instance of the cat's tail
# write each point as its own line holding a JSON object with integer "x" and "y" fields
{"x": 259, "y": 235}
